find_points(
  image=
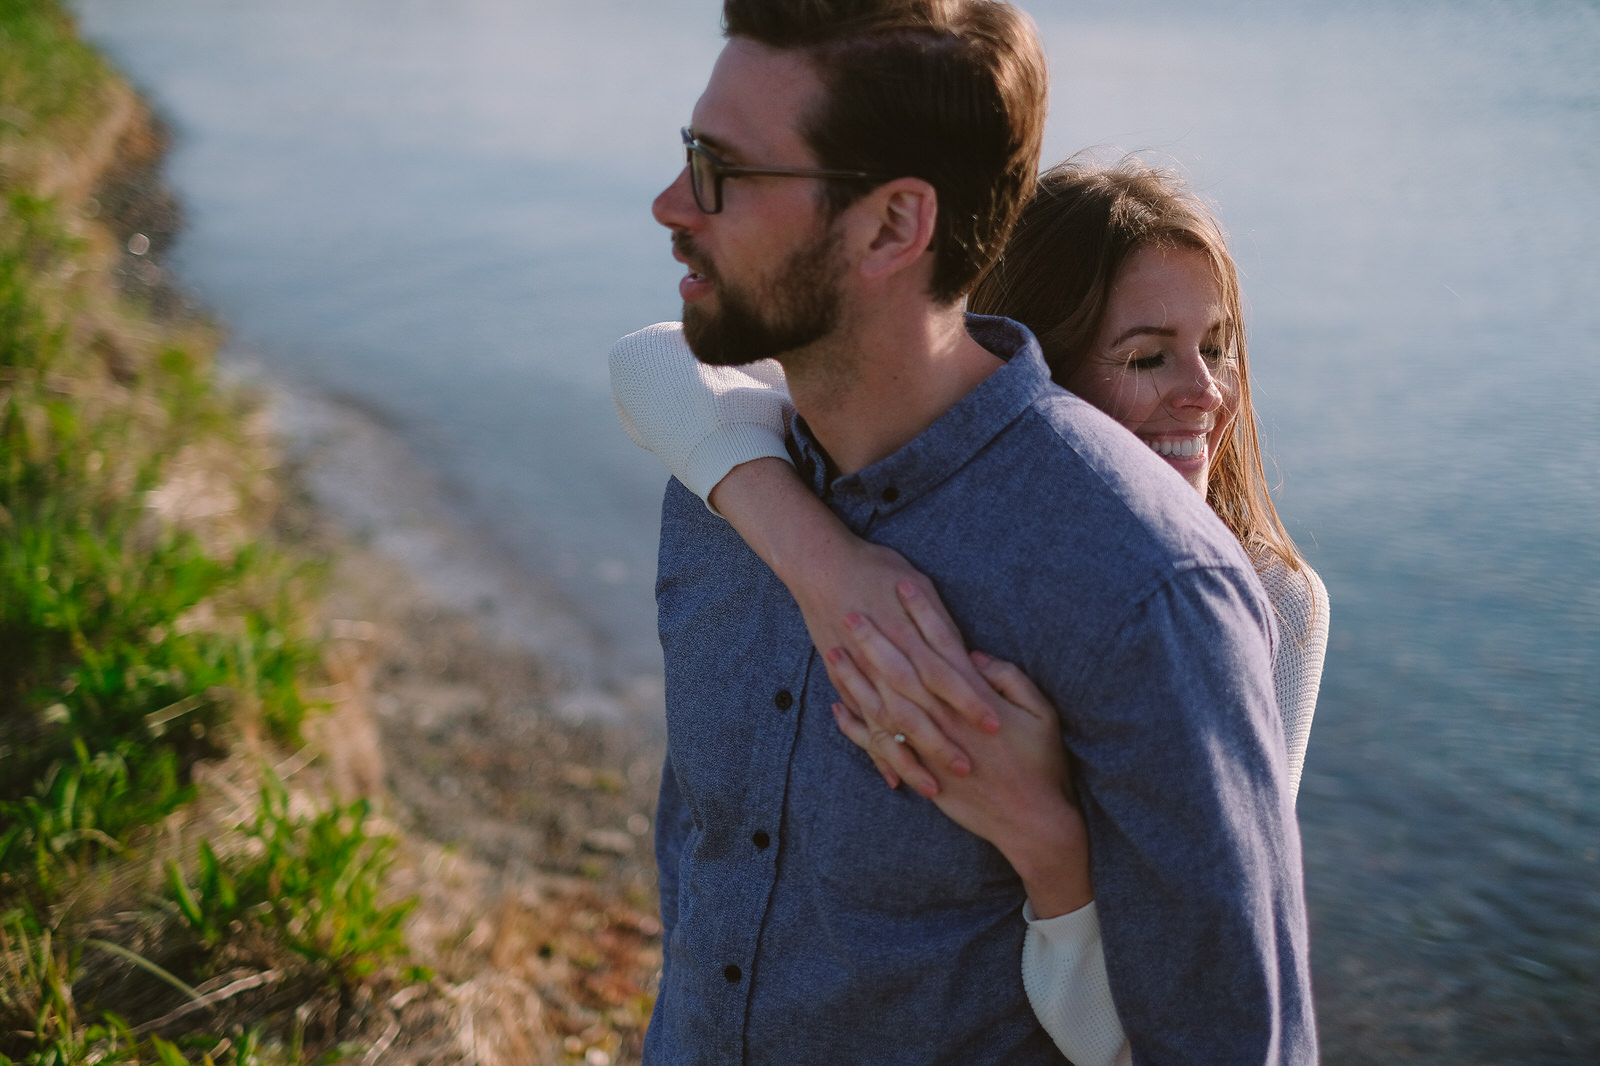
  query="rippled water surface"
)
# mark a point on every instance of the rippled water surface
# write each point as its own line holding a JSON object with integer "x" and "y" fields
{"x": 439, "y": 210}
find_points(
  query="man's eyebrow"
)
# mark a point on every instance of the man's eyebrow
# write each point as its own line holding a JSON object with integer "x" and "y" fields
{"x": 710, "y": 141}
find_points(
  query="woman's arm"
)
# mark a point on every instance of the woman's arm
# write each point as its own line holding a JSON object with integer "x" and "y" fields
{"x": 1064, "y": 974}
{"x": 1018, "y": 797}
{"x": 720, "y": 430}
{"x": 834, "y": 576}
{"x": 1300, "y": 601}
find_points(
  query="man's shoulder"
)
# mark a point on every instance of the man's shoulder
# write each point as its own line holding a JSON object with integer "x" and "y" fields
{"x": 691, "y": 530}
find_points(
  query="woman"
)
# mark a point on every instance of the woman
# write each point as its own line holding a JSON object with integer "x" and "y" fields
{"x": 1126, "y": 281}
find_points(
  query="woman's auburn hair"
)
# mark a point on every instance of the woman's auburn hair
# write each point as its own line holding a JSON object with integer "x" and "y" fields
{"x": 1084, "y": 222}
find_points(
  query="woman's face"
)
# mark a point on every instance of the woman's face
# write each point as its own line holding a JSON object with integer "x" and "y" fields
{"x": 1158, "y": 364}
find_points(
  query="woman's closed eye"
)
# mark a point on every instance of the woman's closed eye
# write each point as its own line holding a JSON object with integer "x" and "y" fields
{"x": 1214, "y": 354}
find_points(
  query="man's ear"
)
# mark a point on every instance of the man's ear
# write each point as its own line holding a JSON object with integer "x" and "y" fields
{"x": 897, "y": 226}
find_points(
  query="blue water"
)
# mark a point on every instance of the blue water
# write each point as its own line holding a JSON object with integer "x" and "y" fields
{"x": 440, "y": 210}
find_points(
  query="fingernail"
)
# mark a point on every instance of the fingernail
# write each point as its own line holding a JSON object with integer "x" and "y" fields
{"x": 981, "y": 659}
{"x": 961, "y": 768}
{"x": 909, "y": 589}
{"x": 991, "y": 723}
{"x": 833, "y": 655}
{"x": 852, "y": 621}
{"x": 929, "y": 789}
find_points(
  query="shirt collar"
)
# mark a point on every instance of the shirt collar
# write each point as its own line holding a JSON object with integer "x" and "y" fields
{"x": 950, "y": 442}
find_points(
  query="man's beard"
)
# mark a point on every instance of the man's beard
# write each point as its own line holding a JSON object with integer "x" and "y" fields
{"x": 799, "y": 307}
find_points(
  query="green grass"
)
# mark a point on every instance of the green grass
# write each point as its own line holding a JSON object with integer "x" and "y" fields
{"x": 136, "y": 639}
{"x": 313, "y": 879}
{"x": 125, "y": 642}
{"x": 48, "y": 77}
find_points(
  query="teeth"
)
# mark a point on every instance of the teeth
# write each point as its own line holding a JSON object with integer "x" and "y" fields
{"x": 1187, "y": 448}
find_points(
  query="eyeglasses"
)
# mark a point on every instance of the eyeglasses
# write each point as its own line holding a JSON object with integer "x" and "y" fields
{"x": 706, "y": 172}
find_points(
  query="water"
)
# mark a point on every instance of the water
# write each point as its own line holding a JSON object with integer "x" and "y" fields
{"x": 440, "y": 210}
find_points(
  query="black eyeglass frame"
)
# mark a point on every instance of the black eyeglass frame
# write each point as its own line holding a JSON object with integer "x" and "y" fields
{"x": 720, "y": 170}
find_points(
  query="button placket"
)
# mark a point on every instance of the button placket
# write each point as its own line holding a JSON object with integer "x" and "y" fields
{"x": 775, "y": 741}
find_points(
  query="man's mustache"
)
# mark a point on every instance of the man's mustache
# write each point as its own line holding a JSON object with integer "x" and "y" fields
{"x": 684, "y": 246}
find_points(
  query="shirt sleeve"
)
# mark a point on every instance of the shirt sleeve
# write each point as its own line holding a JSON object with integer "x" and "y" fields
{"x": 1300, "y": 601}
{"x": 1063, "y": 961}
{"x": 1180, "y": 763}
{"x": 700, "y": 421}
{"x": 1064, "y": 974}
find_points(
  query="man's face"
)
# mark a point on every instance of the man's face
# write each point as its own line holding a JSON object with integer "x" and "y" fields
{"x": 764, "y": 273}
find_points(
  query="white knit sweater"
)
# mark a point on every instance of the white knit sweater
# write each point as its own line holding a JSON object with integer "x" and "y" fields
{"x": 702, "y": 421}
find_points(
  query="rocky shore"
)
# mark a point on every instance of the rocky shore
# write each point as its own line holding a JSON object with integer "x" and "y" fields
{"x": 526, "y": 834}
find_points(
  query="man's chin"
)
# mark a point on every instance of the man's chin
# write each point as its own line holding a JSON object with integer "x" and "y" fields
{"x": 708, "y": 339}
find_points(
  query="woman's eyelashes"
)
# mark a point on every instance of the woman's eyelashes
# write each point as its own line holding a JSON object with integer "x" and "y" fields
{"x": 1156, "y": 360}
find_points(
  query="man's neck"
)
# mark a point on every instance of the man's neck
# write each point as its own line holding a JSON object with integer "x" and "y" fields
{"x": 874, "y": 385}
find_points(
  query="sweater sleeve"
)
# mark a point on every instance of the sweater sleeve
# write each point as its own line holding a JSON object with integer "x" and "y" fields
{"x": 1064, "y": 974}
{"x": 1301, "y": 603}
{"x": 700, "y": 421}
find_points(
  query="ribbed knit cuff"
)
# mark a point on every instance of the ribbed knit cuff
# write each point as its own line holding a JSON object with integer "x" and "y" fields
{"x": 726, "y": 447}
{"x": 1064, "y": 973}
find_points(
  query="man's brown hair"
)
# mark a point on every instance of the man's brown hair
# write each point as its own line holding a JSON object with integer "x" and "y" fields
{"x": 949, "y": 91}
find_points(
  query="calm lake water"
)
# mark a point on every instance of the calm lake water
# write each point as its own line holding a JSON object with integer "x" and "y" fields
{"x": 439, "y": 212}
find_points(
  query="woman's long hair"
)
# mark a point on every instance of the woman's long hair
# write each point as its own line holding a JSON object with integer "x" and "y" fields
{"x": 1084, "y": 222}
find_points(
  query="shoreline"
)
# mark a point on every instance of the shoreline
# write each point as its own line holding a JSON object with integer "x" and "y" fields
{"x": 359, "y": 472}
{"x": 476, "y": 709}
{"x": 525, "y": 833}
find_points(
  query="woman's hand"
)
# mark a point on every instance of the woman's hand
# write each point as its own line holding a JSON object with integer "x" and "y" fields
{"x": 834, "y": 575}
{"x": 1018, "y": 793}
{"x": 930, "y": 668}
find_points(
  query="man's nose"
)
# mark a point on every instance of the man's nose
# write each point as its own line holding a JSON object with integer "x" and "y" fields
{"x": 675, "y": 207}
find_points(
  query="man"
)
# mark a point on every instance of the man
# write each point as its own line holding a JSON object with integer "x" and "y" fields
{"x": 855, "y": 165}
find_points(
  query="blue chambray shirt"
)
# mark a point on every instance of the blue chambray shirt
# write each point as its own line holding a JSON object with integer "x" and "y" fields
{"x": 814, "y": 916}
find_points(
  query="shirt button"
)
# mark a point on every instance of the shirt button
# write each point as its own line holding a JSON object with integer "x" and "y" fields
{"x": 783, "y": 699}
{"x": 890, "y": 494}
{"x": 733, "y": 973}
{"x": 761, "y": 840}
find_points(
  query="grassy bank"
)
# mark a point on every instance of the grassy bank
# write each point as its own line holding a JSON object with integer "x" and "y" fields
{"x": 152, "y": 625}
{"x": 260, "y": 800}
